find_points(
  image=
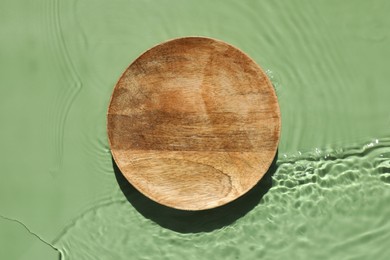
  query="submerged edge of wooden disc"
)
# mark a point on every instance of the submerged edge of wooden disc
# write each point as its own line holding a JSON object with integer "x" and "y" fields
{"x": 193, "y": 123}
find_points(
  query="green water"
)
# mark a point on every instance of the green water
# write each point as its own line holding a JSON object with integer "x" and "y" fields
{"x": 328, "y": 60}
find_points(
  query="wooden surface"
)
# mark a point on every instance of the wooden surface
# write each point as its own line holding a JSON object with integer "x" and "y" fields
{"x": 193, "y": 123}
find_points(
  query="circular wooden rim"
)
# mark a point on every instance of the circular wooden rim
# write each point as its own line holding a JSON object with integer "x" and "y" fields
{"x": 267, "y": 164}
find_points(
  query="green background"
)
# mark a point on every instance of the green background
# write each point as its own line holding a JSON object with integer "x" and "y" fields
{"x": 329, "y": 62}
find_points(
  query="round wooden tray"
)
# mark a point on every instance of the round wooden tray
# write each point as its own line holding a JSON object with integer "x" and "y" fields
{"x": 193, "y": 123}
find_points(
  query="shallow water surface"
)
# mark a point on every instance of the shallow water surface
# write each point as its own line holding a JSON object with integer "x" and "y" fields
{"x": 328, "y": 61}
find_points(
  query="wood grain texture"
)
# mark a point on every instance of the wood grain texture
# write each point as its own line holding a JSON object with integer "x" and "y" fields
{"x": 193, "y": 123}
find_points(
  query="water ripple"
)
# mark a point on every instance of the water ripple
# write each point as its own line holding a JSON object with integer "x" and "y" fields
{"x": 68, "y": 78}
{"x": 326, "y": 200}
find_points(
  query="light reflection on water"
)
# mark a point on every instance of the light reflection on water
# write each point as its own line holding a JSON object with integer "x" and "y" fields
{"x": 328, "y": 61}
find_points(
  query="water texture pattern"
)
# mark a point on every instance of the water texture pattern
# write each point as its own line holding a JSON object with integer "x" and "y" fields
{"x": 328, "y": 61}
{"x": 323, "y": 204}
